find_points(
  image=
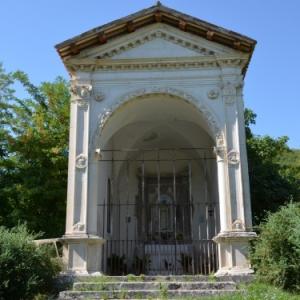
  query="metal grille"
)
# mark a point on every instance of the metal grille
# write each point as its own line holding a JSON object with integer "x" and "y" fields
{"x": 157, "y": 215}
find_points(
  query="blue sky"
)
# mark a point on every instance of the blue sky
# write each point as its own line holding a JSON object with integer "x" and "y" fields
{"x": 30, "y": 29}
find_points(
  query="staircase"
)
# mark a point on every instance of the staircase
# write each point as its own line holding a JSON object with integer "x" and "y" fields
{"x": 147, "y": 287}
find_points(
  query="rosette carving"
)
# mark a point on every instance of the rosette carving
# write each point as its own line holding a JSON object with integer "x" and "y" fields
{"x": 233, "y": 157}
{"x": 81, "y": 161}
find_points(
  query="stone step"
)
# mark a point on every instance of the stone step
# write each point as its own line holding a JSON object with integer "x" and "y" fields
{"x": 140, "y": 294}
{"x": 175, "y": 285}
{"x": 147, "y": 278}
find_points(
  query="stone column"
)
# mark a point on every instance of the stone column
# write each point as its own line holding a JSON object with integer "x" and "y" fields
{"x": 82, "y": 249}
{"x": 235, "y": 230}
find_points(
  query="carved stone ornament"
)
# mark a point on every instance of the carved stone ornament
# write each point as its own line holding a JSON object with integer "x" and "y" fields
{"x": 149, "y": 36}
{"x": 99, "y": 96}
{"x": 81, "y": 161}
{"x": 82, "y": 103}
{"x": 220, "y": 140}
{"x": 233, "y": 157}
{"x": 78, "y": 227}
{"x": 238, "y": 225}
{"x": 213, "y": 94}
{"x": 82, "y": 91}
{"x": 220, "y": 151}
{"x": 229, "y": 90}
{"x": 81, "y": 94}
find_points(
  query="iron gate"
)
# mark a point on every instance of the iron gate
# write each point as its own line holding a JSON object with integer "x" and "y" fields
{"x": 154, "y": 220}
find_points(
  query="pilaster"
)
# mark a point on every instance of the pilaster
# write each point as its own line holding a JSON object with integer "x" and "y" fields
{"x": 234, "y": 236}
{"x": 82, "y": 246}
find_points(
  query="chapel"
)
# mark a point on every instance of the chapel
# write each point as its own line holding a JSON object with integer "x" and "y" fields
{"x": 158, "y": 177}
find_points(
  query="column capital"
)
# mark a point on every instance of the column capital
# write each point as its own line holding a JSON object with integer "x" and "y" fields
{"x": 81, "y": 93}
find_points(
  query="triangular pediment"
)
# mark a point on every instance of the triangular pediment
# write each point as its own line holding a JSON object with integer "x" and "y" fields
{"x": 105, "y": 38}
{"x": 157, "y": 41}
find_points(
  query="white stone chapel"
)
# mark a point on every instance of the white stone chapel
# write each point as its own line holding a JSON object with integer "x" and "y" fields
{"x": 158, "y": 178}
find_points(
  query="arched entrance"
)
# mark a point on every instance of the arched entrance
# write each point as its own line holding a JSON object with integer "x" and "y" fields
{"x": 159, "y": 211}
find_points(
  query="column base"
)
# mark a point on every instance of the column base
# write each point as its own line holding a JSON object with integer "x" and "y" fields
{"x": 82, "y": 254}
{"x": 233, "y": 253}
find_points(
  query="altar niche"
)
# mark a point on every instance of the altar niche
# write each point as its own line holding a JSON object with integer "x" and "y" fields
{"x": 159, "y": 216}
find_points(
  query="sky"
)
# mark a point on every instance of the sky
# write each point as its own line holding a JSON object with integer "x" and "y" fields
{"x": 29, "y": 30}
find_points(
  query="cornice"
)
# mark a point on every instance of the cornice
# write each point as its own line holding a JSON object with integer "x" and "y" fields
{"x": 197, "y": 62}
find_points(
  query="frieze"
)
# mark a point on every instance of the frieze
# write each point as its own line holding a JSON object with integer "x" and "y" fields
{"x": 122, "y": 65}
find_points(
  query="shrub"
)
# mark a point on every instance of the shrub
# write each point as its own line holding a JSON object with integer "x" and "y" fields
{"x": 25, "y": 269}
{"x": 276, "y": 253}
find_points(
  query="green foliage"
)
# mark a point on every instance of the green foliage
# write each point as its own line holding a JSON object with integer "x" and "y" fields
{"x": 34, "y": 150}
{"x": 276, "y": 253}
{"x": 273, "y": 180}
{"x": 25, "y": 269}
{"x": 253, "y": 291}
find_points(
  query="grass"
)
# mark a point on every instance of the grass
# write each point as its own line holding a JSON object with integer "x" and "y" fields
{"x": 254, "y": 291}
{"x": 134, "y": 278}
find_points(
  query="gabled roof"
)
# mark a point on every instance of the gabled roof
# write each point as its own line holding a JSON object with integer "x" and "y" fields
{"x": 157, "y": 13}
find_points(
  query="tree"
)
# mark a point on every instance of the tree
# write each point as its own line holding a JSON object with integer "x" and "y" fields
{"x": 272, "y": 182}
{"x": 34, "y": 150}
{"x": 276, "y": 252}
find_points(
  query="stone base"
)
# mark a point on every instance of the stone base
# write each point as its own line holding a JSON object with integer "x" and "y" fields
{"x": 82, "y": 254}
{"x": 233, "y": 253}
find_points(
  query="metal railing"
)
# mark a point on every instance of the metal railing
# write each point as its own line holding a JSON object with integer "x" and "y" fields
{"x": 153, "y": 219}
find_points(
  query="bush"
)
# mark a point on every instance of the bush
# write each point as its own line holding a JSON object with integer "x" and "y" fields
{"x": 276, "y": 253}
{"x": 25, "y": 269}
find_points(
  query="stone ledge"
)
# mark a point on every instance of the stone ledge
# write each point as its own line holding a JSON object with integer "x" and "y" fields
{"x": 88, "y": 238}
{"x": 234, "y": 236}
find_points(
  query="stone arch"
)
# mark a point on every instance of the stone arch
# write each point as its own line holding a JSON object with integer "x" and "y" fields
{"x": 209, "y": 117}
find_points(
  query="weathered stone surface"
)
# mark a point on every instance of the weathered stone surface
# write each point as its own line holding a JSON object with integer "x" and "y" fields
{"x": 202, "y": 285}
{"x": 185, "y": 86}
{"x": 143, "y": 287}
{"x": 137, "y": 294}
